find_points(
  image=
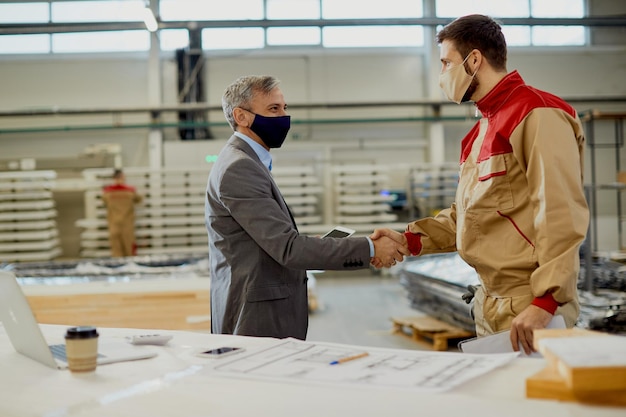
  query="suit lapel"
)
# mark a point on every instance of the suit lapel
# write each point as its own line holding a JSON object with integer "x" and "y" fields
{"x": 240, "y": 144}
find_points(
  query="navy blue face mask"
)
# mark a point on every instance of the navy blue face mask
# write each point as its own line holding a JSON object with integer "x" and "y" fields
{"x": 272, "y": 130}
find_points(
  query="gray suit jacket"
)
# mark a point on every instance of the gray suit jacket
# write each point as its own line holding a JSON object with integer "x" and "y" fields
{"x": 258, "y": 260}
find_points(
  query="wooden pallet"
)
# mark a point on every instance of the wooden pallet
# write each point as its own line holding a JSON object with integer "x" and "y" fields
{"x": 429, "y": 329}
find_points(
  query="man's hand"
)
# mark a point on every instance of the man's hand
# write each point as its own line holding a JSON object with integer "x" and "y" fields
{"x": 524, "y": 324}
{"x": 392, "y": 234}
{"x": 389, "y": 246}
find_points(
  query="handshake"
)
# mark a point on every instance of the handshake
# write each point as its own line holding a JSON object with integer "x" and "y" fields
{"x": 389, "y": 246}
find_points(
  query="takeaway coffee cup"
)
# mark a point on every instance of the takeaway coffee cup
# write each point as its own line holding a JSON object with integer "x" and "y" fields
{"x": 81, "y": 348}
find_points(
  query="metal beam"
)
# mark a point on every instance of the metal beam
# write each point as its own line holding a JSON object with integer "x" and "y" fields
{"x": 155, "y": 110}
{"x": 39, "y": 28}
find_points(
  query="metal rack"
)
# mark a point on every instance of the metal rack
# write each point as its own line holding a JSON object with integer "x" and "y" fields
{"x": 432, "y": 187}
{"x": 589, "y": 119}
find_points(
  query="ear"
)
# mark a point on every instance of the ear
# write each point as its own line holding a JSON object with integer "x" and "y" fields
{"x": 475, "y": 60}
{"x": 242, "y": 117}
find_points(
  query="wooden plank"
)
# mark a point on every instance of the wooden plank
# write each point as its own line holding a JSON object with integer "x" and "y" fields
{"x": 30, "y": 256}
{"x": 561, "y": 381}
{"x": 28, "y": 215}
{"x": 36, "y": 225}
{"x": 29, "y": 235}
{"x": 35, "y": 195}
{"x": 549, "y": 384}
{"x": 170, "y": 310}
{"x": 187, "y": 249}
{"x": 26, "y": 205}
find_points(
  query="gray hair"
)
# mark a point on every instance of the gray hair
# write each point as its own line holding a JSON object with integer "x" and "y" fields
{"x": 241, "y": 92}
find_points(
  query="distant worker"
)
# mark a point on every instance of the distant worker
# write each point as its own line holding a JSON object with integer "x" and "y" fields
{"x": 120, "y": 199}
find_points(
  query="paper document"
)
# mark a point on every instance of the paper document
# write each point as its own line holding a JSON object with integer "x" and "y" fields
{"x": 296, "y": 361}
{"x": 501, "y": 342}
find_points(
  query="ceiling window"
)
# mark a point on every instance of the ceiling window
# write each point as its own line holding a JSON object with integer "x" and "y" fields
{"x": 283, "y": 36}
{"x": 25, "y": 44}
{"x": 500, "y": 8}
{"x": 88, "y": 42}
{"x": 233, "y": 38}
{"x": 293, "y": 9}
{"x": 524, "y": 35}
{"x": 359, "y": 9}
{"x": 24, "y": 13}
{"x": 98, "y": 11}
{"x": 372, "y": 36}
{"x": 172, "y": 39}
{"x": 190, "y": 10}
{"x": 558, "y": 35}
{"x": 228, "y": 35}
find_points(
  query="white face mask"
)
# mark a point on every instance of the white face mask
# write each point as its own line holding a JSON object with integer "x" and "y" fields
{"x": 455, "y": 82}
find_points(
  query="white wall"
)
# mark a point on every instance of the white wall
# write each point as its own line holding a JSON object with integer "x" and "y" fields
{"x": 79, "y": 83}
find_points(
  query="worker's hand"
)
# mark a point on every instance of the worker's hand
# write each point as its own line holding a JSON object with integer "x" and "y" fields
{"x": 392, "y": 234}
{"x": 387, "y": 252}
{"x": 523, "y": 326}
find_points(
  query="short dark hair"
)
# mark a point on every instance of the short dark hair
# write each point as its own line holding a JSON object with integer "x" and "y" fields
{"x": 118, "y": 173}
{"x": 480, "y": 32}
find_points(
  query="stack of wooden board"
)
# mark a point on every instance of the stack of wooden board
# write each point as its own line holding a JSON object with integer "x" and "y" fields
{"x": 584, "y": 366}
{"x": 28, "y": 227}
{"x": 158, "y": 303}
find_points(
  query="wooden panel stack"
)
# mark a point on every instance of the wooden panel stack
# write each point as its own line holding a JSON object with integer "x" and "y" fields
{"x": 583, "y": 366}
{"x": 360, "y": 199}
{"x": 181, "y": 304}
{"x": 28, "y": 227}
{"x": 301, "y": 188}
{"x": 169, "y": 220}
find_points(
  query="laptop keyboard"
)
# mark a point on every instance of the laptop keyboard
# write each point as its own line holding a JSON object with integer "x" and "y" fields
{"x": 58, "y": 351}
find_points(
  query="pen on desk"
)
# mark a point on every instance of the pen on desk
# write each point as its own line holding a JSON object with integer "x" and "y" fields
{"x": 349, "y": 358}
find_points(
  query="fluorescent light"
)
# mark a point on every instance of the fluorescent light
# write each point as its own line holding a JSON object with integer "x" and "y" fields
{"x": 149, "y": 20}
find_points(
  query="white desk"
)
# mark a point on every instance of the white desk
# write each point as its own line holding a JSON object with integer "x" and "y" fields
{"x": 174, "y": 384}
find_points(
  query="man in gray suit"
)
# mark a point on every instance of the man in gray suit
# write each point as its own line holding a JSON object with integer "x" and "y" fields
{"x": 258, "y": 260}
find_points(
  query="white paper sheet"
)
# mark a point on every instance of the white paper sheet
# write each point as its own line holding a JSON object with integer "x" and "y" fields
{"x": 501, "y": 342}
{"x": 295, "y": 361}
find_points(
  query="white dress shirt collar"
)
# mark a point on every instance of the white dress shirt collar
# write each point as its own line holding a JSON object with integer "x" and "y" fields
{"x": 263, "y": 154}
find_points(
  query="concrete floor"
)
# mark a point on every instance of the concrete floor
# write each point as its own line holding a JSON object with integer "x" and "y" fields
{"x": 356, "y": 308}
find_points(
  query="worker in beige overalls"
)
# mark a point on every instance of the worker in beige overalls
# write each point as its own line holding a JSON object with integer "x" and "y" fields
{"x": 120, "y": 199}
{"x": 520, "y": 213}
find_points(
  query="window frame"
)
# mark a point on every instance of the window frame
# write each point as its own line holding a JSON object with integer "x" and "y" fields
{"x": 266, "y": 24}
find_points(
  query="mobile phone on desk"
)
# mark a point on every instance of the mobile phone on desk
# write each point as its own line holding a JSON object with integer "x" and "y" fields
{"x": 219, "y": 352}
{"x": 339, "y": 231}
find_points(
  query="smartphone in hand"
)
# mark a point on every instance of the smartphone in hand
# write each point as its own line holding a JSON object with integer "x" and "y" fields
{"x": 339, "y": 231}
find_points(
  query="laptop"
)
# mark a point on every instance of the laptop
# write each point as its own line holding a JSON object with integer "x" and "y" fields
{"x": 26, "y": 336}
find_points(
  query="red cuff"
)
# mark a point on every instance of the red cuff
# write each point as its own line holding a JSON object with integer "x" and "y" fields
{"x": 414, "y": 242}
{"x": 546, "y": 302}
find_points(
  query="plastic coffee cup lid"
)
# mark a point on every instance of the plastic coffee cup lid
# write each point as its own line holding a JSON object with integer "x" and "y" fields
{"x": 81, "y": 332}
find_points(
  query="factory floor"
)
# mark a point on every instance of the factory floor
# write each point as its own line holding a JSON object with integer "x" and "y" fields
{"x": 356, "y": 307}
